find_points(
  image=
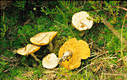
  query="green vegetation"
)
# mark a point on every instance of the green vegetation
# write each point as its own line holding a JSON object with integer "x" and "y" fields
{"x": 21, "y": 20}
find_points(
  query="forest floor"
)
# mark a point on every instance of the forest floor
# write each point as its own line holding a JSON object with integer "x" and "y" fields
{"x": 107, "y": 40}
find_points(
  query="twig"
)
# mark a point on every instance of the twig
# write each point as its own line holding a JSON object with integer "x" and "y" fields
{"x": 100, "y": 55}
{"x": 27, "y": 22}
{"x": 84, "y": 67}
{"x": 122, "y": 8}
{"x": 122, "y": 41}
{"x": 110, "y": 74}
{"x": 121, "y": 59}
{"x": 91, "y": 63}
{"x": 98, "y": 67}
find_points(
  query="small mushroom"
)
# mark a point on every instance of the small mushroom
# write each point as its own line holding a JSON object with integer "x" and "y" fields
{"x": 50, "y": 61}
{"x": 29, "y": 49}
{"x": 43, "y": 38}
{"x": 77, "y": 49}
{"x": 82, "y": 21}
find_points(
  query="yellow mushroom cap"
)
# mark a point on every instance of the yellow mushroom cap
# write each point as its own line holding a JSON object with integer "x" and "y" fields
{"x": 50, "y": 61}
{"x": 82, "y": 21}
{"x": 28, "y": 49}
{"x": 84, "y": 49}
{"x": 43, "y": 38}
{"x": 78, "y": 48}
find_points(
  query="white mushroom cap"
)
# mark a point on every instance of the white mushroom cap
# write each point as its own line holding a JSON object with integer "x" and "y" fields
{"x": 82, "y": 21}
{"x": 50, "y": 61}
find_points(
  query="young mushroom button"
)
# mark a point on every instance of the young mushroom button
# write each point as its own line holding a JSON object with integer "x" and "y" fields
{"x": 78, "y": 49}
{"x": 82, "y": 21}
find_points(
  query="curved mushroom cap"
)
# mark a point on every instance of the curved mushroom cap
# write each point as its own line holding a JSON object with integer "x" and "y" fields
{"x": 43, "y": 38}
{"x": 84, "y": 49}
{"x": 50, "y": 61}
{"x": 80, "y": 50}
{"x": 28, "y": 49}
{"x": 82, "y": 21}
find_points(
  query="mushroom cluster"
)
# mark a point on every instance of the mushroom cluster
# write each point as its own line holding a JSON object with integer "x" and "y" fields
{"x": 40, "y": 39}
{"x": 71, "y": 52}
{"x": 70, "y": 55}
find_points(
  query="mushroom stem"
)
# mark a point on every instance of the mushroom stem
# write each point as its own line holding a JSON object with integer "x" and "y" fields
{"x": 34, "y": 56}
{"x": 82, "y": 34}
{"x": 65, "y": 56}
{"x": 50, "y": 46}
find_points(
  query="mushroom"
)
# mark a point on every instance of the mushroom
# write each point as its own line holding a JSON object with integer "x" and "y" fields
{"x": 44, "y": 38}
{"x": 50, "y": 61}
{"x": 75, "y": 51}
{"x": 82, "y": 21}
{"x": 38, "y": 40}
{"x": 29, "y": 49}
